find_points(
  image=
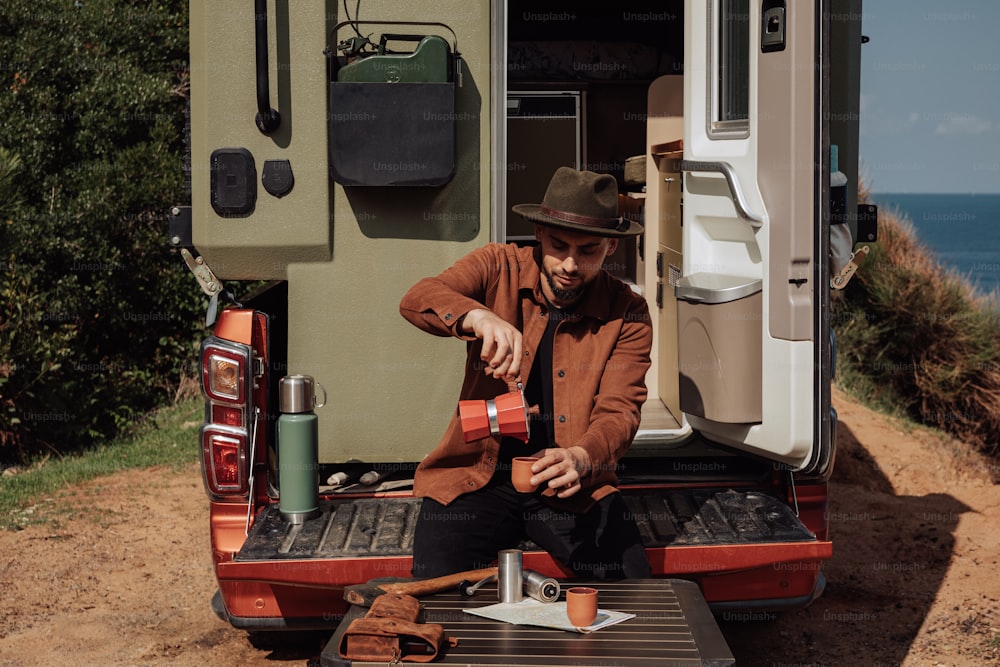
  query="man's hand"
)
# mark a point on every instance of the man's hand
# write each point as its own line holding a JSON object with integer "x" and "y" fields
{"x": 502, "y": 349}
{"x": 562, "y": 469}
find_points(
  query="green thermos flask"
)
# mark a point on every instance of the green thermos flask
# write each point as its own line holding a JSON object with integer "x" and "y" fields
{"x": 298, "y": 449}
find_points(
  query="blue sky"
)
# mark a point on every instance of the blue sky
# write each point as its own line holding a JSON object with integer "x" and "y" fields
{"x": 930, "y": 96}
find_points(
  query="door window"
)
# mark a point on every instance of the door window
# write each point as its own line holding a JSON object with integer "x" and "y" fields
{"x": 730, "y": 70}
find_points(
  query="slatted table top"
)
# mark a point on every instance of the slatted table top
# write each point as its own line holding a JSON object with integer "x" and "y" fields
{"x": 673, "y": 627}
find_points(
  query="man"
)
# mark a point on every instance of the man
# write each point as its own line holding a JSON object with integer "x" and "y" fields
{"x": 580, "y": 339}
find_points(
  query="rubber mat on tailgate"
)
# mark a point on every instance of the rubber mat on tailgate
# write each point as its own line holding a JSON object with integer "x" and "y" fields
{"x": 384, "y": 526}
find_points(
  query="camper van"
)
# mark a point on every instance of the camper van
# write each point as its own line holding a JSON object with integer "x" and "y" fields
{"x": 341, "y": 152}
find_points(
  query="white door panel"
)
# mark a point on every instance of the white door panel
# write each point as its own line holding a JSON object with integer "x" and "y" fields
{"x": 750, "y": 213}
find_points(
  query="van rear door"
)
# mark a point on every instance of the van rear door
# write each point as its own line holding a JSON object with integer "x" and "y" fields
{"x": 753, "y": 342}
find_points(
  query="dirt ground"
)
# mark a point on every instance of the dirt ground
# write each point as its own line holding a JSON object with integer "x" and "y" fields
{"x": 126, "y": 578}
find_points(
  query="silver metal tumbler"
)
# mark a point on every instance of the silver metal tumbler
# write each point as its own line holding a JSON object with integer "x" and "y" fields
{"x": 510, "y": 587}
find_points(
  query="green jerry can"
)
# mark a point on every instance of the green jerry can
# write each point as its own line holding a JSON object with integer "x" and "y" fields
{"x": 430, "y": 62}
{"x": 392, "y": 115}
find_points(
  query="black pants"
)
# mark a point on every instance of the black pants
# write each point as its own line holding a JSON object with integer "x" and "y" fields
{"x": 603, "y": 543}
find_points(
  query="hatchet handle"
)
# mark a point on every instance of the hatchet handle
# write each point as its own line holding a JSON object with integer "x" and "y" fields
{"x": 419, "y": 587}
{"x": 363, "y": 594}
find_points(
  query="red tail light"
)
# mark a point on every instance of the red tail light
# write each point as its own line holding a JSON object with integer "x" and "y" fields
{"x": 226, "y": 414}
{"x": 225, "y": 455}
{"x": 225, "y": 374}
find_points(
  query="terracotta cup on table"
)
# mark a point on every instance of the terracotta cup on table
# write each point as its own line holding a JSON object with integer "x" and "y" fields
{"x": 581, "y": 605}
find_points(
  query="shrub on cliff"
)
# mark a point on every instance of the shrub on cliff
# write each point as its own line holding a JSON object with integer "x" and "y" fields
{"x": 915, "y": 338}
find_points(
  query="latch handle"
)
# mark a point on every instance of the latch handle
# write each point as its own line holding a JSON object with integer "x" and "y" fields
{"x": 840, "y": 280}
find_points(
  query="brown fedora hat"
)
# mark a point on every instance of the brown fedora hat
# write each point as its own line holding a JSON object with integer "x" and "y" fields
{"x": 581, "y": 201}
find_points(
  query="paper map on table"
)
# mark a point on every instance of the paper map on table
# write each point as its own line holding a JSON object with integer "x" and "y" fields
{"x": 545, "y": 614}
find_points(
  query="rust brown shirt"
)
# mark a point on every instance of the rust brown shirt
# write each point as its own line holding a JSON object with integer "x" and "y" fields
{"x": 600, "y": 356}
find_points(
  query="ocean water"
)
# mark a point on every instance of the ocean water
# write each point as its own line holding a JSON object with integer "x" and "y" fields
{"x": 961, "y": 230}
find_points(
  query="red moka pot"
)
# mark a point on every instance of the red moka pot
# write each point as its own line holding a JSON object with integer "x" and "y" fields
{"x": 506, "y": 415}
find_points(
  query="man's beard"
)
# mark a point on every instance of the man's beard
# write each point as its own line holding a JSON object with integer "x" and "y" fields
{"x": 566, "y": 297}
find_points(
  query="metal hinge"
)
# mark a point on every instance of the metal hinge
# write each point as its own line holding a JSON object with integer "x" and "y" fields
{"x": 179, "y": 227}
{"x": 210, "y": 285}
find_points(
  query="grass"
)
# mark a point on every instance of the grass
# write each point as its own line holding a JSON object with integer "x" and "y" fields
{"x": 168, "y": 437}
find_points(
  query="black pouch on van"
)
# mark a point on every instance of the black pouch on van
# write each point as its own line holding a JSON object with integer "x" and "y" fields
{"x": 392, "y": 113}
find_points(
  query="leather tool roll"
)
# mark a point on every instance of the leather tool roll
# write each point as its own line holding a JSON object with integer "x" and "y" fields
{"x": 391, "y": 632}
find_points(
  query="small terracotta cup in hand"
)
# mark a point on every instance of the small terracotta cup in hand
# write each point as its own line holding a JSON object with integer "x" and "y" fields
{"x": 520, "y": 473}
{"x": 581, "y": 606}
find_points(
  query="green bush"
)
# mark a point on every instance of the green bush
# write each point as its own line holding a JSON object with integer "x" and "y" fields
{"x": 915, "y": 339}
{"x": 98, "y": 316}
